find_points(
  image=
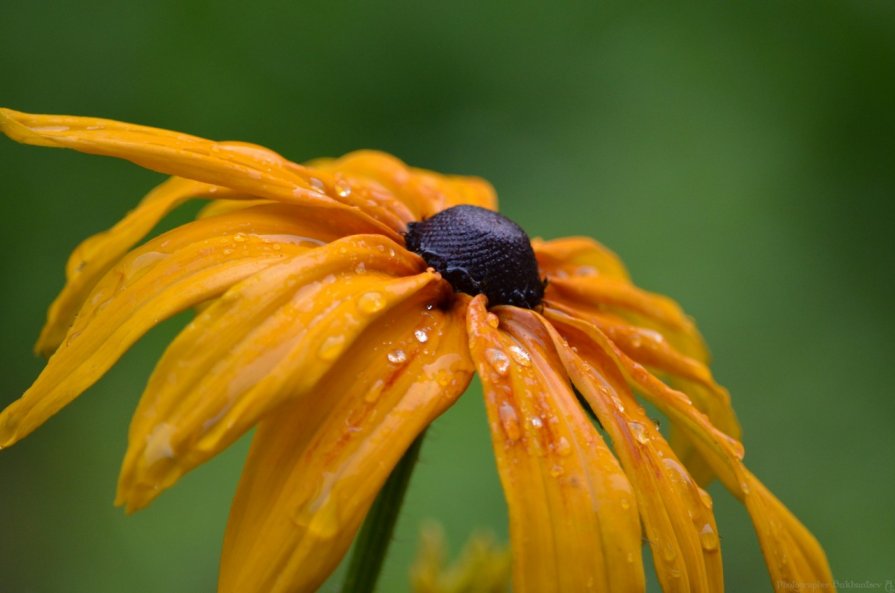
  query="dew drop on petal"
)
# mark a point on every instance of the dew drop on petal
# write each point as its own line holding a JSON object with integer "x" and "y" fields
{"x": 498, "y": 360}
{"x": 639, "y": 432}
{"x": 625, "y": 503}
{"x": 510, "y": 421}
{"x": 556, "y": 471}
{"x": 371, "y": 302}
{"x": 375, "y": 391}
{"x": 343, "y": 190}
{"x": 520, "y": 355}
{"x": 706, "y": 499}
{"x": 537, "y": 422}
{"x": 331, "y": 348}
{"x": 492, "y": 320}
{"x": 397, "y": 356}
{"x": 421, "y": 336}
{"x": 563, "y": 447}
{"x": 708, "y": 537}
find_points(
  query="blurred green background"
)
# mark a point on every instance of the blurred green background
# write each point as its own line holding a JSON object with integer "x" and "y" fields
{"x": 739, "y": 158}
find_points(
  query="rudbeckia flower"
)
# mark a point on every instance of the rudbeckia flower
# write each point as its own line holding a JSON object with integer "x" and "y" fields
{"x": 341, "y": 307}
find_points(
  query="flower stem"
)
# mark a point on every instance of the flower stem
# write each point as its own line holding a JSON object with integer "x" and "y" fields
{"x": 375, "y": 534}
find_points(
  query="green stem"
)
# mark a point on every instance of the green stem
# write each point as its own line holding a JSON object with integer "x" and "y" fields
{"x": 375, "y": 534}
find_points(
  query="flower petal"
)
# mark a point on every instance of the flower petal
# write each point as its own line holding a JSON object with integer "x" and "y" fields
{"x": 174, "y": 271}
{"x": 573, "y": 515}
{"x": 650, "y": 348}
{"x": 577, "y": 256}
{"x": 676, "y": 513}
{"x": 795, "y": 560}
{"x": 97, "y": 254}
{"x": 315, "y": 467}
{"x": 243, "y": 167}
{"x": 425, "y": 193}
{"x": 268, "y": 339}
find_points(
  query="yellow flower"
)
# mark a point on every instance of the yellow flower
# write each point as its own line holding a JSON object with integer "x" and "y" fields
{"x": 319, "y": 324}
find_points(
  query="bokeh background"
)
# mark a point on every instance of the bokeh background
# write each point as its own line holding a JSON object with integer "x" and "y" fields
{"x": 740, "y": 158}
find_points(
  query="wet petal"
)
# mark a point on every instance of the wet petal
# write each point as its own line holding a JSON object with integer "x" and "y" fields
{"x": 173, "y": 272}
{"x": 316, "y": 466}
{"x": 676, "y": 513}
{"x": 650, "y": 348}
{"x": 96, "y": 255}
{"x": 423, "y": 192}
{"x": 639, "y": 307}
{"x": 243, "y": 167}
{"x": 573, "y": 514}
{"x": 577, "y": 256}
{"x": 267, "y": 339}
{"x": 795, "y": 560}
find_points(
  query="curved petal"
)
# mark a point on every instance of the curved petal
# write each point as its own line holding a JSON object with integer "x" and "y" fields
{"x": 267, "y": 339}
{"x": 96, "y": 255}
{"x": 676, "y": 513}
{"x": 577, "y": 256}
{"x": 423, "y": 192}
{"x": 795, "y": 560}
{"x": 316, "y": 466}
{"x": 651, "y": 349}
{"x": 573, "y": 515}
{"x": 243, "y": 167}
{"x": 173, "y": 272}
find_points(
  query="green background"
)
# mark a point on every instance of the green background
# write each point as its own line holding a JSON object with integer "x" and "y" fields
{"x": 739, "y": 158}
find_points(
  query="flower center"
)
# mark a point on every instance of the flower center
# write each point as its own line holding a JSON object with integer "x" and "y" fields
{"x": 480, "y": 252}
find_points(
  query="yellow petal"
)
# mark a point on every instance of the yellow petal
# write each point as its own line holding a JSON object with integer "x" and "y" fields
{"x": 577, "y": 256}
{"x": 573, "y": 514}
{"x": 243, "y": 167}
{"x": 93, "y": 257}
{"x": 795, "y": 560}
{"x": 174, "y": 271}
{"x": 316, "y": 466}
{"x": 676, "y": 513}
{"x": 423, "y": 192}
{"x": 650, "y": 348}
{"x": 267, "y": 339}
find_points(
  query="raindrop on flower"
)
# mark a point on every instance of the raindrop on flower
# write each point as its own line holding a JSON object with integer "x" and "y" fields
{"x": 510, "y": 421}
{"x": 563, "y": 447}
{"x": 421, "y": 336}
{"x": 498, "y": 360}
{"x": 331, "y": 347}
{"x": 397, "y": 356}
{"x": 520, "y": 355}
{"x": 371, "y": 302}
{"x": 492, "y": 320}
{"x": 639, "y": 432}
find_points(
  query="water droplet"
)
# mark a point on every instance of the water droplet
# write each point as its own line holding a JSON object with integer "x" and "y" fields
{"x": 520, "y": 355}
{"x": 317, "y": 184}
{"x": 360, "y": 268}
{"x": 158, "y": 444}
{"x": 630, "y": 557}
{"x": 510, "y": 421}
{"x": 639, "y": 432}
{"x": 537, "y": 422}
{"x": 563, "y": 447}
{"x": 239, "y": 237}
{"x": 331, "y": 347}
{"x": 675, "y": 573}
{"x": 343, "y": 190}
{"x": 371, "y": 302}
{"x": 421, "y": 336}
{"x": 706, "y": 498}
{"x": 744, "y": 486}
{"x": 397, "y": 356}
{"x": 625, "y": 503}
{"x": 708, "y": 537}
{"x": 556, "y": 471}
{"x": 492, "y": 320}
{"x": 498, "y": 360}
{"x": 443, "y": 377}
{"x": 375, "y": 391}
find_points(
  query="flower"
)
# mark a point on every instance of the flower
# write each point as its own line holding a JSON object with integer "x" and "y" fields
{"x": 341, "y": 307}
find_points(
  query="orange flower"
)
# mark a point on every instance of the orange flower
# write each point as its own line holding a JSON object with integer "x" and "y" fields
{"x": 342, "y": 342}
